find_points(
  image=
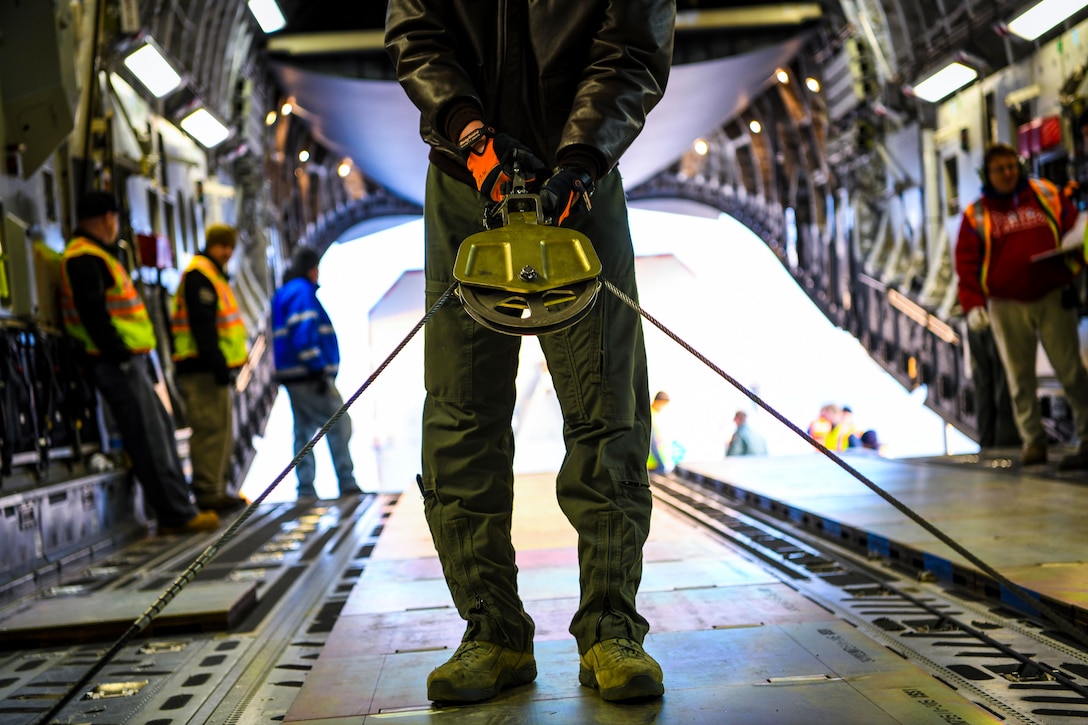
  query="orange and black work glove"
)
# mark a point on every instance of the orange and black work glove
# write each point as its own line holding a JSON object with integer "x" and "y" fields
{"x": 568, "y": 189}
{"x": 493, "y": 168}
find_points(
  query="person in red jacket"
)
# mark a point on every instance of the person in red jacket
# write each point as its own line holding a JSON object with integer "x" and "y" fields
{"x": 1005, "y": 285}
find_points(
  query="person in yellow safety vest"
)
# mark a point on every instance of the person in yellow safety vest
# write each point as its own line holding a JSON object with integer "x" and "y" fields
{"x": 103, "y": 312}
{"x": 209, "y": 348}
{"x": 843, "y": 434}
{"x": 819, "y": 428}
{"x": 1015, "y": 279}
{"x": 662, "y": 457}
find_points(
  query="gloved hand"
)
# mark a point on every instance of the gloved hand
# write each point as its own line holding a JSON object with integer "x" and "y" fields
{"x": 493, "y": 167}
{"x": 978, "y": 319}
{"x": 567, "y": 189}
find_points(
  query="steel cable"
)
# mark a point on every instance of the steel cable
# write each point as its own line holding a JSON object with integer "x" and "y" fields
{"x": 209, "y": 553}
{"x": 1017, "y": 590}
{"x": 213, "y": 549}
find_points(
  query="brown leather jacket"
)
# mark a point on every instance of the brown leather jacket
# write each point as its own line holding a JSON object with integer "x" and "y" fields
{"x": 555, "y": 74}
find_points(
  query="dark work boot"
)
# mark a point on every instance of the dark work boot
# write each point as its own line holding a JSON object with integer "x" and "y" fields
{"x": 203, "y": 521}
{"x": 223, "y": 503}
{"x": 1033, "y": 453}
{"x": 479, "y": 671}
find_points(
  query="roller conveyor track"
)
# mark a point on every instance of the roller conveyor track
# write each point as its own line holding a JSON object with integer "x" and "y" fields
{"x": 751, "y": 619}
{"x": 1008, "y": 662}
{"x": 249, "y": 629}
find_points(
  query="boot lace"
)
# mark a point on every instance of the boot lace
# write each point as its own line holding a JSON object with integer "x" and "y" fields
{"x": 467, "y": 652}
{"x": 625, "y": 649}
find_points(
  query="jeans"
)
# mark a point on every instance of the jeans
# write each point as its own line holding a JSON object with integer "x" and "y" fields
{"x": 147, "y": 433}
{"x": 312, "y": 405}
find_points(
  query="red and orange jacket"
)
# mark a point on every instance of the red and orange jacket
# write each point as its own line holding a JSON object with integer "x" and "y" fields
{"x": 998, "y": 237}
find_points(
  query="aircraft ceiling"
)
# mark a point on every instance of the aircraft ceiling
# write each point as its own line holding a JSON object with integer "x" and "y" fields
{"x": 330, "y": 58}
{"x": 334, "y": 68}
{"x": 375, "y": 124}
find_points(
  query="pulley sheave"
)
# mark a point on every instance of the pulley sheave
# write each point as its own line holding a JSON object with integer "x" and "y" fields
{"x": 526, "y": 277}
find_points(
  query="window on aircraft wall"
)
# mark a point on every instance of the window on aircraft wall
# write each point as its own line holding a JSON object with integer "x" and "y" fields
{"x": 1055, "y": 169}
{"x": 171, "y": 228}
{"x": 990, "y": 128}
{"x": 183, "y": 223}
{"x": 952, "y": 185}
{"x": 50, "y": 187}
{"x": 153, "y": 211}
{"x": 1018, "y": 116}
{"x": 192, "y": 225}
{"x": 164, "y": 177}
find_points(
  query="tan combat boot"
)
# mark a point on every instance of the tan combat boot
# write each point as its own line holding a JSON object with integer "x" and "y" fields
{"x": 479, "y": 671}
{"x": 622, "y": 670}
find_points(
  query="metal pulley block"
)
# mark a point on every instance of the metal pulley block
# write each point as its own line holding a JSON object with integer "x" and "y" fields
{"x": 526, "y": 277}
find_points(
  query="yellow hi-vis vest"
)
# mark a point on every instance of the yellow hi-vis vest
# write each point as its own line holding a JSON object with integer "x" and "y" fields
{"x": 1049, "y": 199}
{"x": 838, "y": 438}
{"x": 819, "y": 429}
{"x": 228, "y": 317}
{"x": 126, "y": 310}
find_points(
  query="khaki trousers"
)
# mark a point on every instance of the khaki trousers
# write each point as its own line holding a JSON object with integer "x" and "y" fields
{"x": 1019, "y": 328}
{"x": 209, "y": 410}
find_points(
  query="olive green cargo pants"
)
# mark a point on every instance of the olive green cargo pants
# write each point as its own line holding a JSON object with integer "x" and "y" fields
{"x": 598, "y": 369}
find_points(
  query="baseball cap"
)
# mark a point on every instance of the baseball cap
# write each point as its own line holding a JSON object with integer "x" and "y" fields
{"x": 304, "y": 259}
{"x": 220, "y": 234}
{"x": 95, "y": 204}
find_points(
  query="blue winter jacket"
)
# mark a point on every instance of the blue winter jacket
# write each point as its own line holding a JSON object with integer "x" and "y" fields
{"x": 303, "y": 342}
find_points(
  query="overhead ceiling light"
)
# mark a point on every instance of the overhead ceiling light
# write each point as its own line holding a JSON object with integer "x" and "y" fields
{"x": 1044, "y": 16}
{"x": 782, "y": 76}
{"x": 755, "y": 126}
{"x": 751, "y": 15}
{"x": 153, "y": 70}
{"x": 205, "y": 128}
{"x": 944, "y": 82}
{"x": 268, "y": 15}
{"x": 812, "y": 84}
{"x": 701, "y": 146}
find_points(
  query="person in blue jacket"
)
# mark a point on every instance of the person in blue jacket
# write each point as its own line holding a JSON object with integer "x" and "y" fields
{"x": 307, "y": 358}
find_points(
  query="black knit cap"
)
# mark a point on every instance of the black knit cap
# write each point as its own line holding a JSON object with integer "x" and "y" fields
{"x": 303, "y": 260}
{"x": 95, "y": 204}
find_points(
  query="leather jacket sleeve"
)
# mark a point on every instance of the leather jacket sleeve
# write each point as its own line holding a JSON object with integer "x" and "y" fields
{"x": 421, "y": 44}
{"x": 629, "y": 61}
